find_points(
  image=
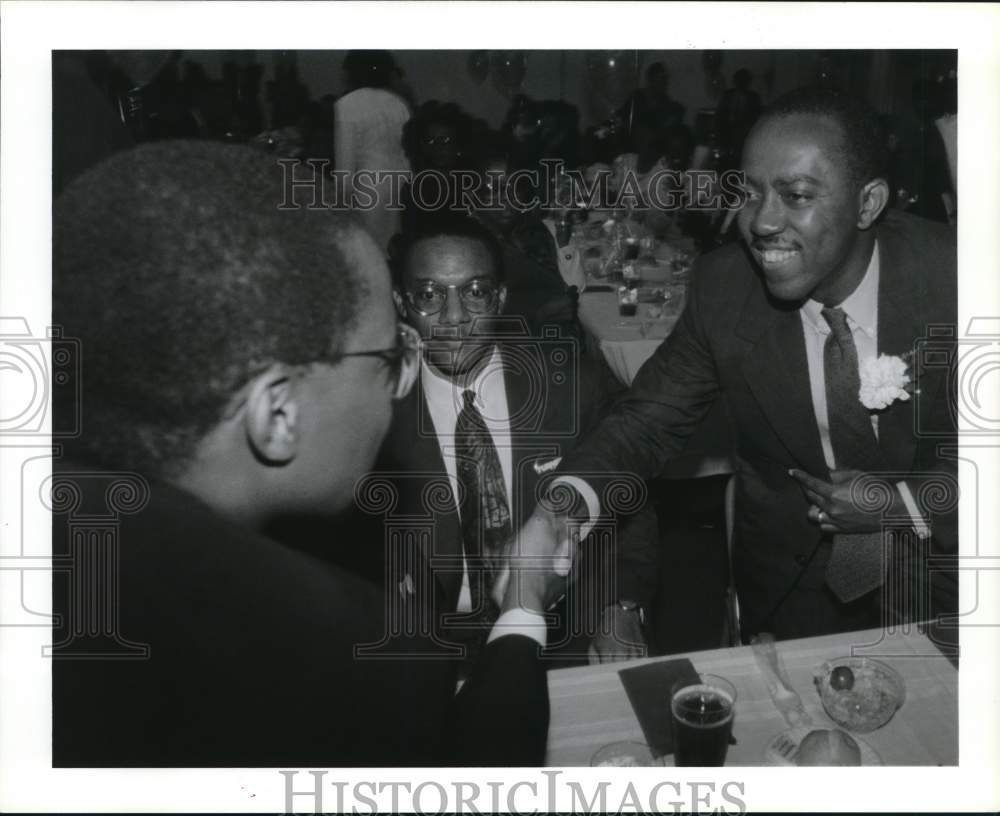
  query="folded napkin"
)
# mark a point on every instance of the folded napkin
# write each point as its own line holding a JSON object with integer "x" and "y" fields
{"x": 569, "y": 259}
{"x": 648, "y": 689}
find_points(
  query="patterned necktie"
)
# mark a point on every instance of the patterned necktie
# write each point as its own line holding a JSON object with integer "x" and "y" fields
{"x": 856, "y": 564}
{"x": 485, "y": 514}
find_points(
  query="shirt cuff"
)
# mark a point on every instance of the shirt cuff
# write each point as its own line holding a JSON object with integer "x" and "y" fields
{"x": 589, "y": 497}
{"x": 519, "y": 622}
{"x": 919, "y": 524}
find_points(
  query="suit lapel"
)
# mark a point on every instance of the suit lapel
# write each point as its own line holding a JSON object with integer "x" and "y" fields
{"x": 525, "y": 411}
{"x": 899, "y": 327}
{"x": 777, "y": 374}
{"x": 416, "y": 455}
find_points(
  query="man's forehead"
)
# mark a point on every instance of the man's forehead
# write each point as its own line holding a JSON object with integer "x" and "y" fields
{"x": 449, "y": 256}
{"x": 794, "y": 147}
{"x": 808, "y": 129}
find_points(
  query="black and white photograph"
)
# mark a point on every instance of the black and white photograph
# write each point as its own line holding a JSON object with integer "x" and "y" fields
{"x": 539, "y": 426}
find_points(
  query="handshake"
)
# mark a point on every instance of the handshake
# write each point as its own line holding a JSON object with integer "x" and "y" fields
{"x": 538, "y": 561}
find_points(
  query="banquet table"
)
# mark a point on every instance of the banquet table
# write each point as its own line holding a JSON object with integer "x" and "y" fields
{"x": 626, "y": 342}
{"x": 590, "y": 708}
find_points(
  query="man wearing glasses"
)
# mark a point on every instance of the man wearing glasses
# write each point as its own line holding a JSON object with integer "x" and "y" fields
{"x": 239, "y": 365}
{"x": 493, "y": 411}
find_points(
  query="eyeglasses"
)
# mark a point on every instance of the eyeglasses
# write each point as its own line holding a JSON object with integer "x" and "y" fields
{"x": 401, "y": 359}
{"x": 477, "y": 297}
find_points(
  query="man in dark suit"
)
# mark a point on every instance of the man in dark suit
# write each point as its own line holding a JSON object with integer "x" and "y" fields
{"x": 530, "y": 398}
{"x": 784, "y": 330}
{"x": 239, "y": 367}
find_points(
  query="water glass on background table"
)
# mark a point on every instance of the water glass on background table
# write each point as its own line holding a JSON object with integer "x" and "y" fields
{"x": 701, "y": 715}
{"x": 628, "y": 301}
{"x": 631, "y": 248}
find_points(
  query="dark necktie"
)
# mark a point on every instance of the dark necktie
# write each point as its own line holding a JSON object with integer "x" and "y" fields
{"x": 856, "y": 564}
{"x": 484, "y": 509}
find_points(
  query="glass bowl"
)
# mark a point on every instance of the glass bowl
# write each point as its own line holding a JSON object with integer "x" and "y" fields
{"x": 858, "y": 693}
{"x": 624, "y": 755}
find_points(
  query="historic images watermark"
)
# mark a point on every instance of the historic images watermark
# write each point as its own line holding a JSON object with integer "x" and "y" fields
{"x": 38, "y": 369}
{"x": 535, "y": 792}
{"x": 312, "y": 184}
{"x": 418, "y": 509}
{"x": 415, "y": 553}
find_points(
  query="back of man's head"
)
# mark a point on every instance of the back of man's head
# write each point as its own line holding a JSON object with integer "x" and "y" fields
{"x": 657, "y": 75}
{"x": 182, "y": 279}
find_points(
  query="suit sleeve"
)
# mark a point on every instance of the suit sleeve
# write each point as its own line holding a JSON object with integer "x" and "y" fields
{"x": 935, "y": 490}
{"x": 636, "y": 556}
{"x": 500, "y": 718}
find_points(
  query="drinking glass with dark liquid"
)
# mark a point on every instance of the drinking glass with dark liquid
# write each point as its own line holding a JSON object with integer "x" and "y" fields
{"x": 564, "y": 231}
{"x": 632, "y": 247}
{"x": 702, "y": 718}
{"x": 628, "y": 301}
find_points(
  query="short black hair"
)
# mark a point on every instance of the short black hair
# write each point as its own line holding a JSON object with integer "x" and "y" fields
{"x": 743, "y": 78}
{"x": 864, "y": 145}
{"x": 444, "y": 224}
{"x": 656, "y": 68}
{"x": 370, "y": 69}
{"x": 182, "y": 280}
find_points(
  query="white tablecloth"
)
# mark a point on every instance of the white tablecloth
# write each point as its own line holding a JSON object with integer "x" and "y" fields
{"x": 626, "y": 342}
{"x": 590, "y": 708}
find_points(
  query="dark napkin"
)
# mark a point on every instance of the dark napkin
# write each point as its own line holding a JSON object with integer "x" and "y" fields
{"x": 648, "y": 689}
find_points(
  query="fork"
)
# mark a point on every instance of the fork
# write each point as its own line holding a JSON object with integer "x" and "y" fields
{"x": 785, "y": 699}
{"x": 785, "y": 748}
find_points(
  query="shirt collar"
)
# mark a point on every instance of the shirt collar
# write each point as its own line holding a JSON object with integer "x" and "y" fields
{"x": 440, "y": 389}
{"x": 861, "y": 306}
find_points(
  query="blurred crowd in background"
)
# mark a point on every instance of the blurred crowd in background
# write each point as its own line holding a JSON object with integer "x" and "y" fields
{"x": 103, "y": 101}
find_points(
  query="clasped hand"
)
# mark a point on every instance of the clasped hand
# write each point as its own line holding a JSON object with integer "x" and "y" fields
{"x": 833, "y": 507}
{"x": 538, "y": 562}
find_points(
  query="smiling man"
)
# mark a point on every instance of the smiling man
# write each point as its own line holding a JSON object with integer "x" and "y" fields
{"x": 837, "y": 511}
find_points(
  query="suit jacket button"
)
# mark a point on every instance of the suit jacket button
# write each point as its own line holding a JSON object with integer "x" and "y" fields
{"x": 801, "y": 559}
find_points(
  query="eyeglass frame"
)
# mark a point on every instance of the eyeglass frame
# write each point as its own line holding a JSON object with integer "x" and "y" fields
{"x": 496, "y": 287}
{"x": 395, "y": 359}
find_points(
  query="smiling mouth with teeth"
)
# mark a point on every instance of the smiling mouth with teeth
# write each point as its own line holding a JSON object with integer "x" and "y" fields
{"x": 776, "y": 256}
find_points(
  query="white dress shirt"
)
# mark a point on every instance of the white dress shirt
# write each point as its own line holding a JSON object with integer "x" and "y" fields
{"x": 445, "y": 401}
{"x": 861, "y": 308}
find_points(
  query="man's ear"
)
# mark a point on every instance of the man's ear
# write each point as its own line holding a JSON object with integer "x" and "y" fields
{"x": 397, "y": 298}
{"x": 872, "y": 199}
{"x": 272, "y": 416}
{"x": 501, "y": 299}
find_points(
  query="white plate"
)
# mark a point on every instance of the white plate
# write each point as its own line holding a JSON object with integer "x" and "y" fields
{"x": 796, "y": 735}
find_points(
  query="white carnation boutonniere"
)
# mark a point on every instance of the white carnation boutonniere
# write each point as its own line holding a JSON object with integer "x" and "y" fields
{"x": 885, "y": 379}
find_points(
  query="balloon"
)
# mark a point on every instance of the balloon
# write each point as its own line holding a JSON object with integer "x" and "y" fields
{"x": 478, "y": 66}
{"x": 612, "y": 77}
{"x": 711, "y": 61}
{"x": 509, "y": 69}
